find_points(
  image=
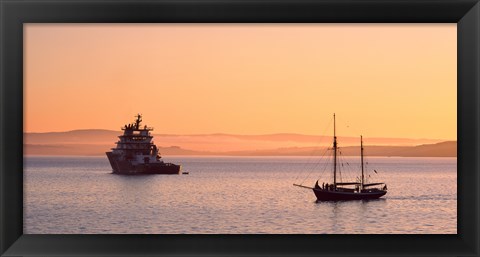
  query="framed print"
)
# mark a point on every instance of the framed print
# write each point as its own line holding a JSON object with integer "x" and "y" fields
{"x": 239, "y": 128}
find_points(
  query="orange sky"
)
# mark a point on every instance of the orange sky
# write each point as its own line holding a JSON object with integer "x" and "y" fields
{"x": 387, "y": 80}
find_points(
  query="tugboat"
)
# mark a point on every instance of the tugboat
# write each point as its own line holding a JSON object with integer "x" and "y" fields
{"x": 338, "y": 190}
{"x": 136, "y": 154}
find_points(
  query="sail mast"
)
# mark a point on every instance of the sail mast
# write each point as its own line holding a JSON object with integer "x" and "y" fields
{"x": 335, "y": 155}
{"x": 361, "y": 151}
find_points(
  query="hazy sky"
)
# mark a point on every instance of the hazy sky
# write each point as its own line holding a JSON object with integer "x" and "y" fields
{"x": 388, "y": 80}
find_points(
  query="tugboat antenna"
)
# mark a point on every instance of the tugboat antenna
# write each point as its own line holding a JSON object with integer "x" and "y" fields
{"x": 137, "y": 122}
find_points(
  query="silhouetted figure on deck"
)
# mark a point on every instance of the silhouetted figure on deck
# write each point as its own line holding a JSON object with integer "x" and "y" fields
{"x": 326, "y": 185}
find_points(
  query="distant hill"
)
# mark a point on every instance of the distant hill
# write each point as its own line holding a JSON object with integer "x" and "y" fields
{"x": 85, "y": 136}
{"x": 97, "y": 136}
{"x": 214, "y": 142}
{"x": 94, "y": 150}
{"x": 98, "y": 141}
{"x": 443, "y": 149}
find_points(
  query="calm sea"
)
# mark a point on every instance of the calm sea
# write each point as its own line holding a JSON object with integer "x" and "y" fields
{"x": 79, "y": 195}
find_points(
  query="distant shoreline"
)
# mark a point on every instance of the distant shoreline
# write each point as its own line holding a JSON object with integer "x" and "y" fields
{"x": 443, "y": 149}
{"x": 97, "y": 142}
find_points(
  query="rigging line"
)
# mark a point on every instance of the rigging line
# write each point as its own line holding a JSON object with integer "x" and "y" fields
{"x": 321, "y": 159}
{"x": 324, "y": 168}
{"x": 378, "y": 175}
{"x": 317, "y": 144}
{"x": 315, "y": 165}
{"x": 367, "y": 167}
{"x": 310, "y": 172}
{"x": 351, "y": 171}
{"x": 326, "y": 163}
{"x": 340, "y": 167}
{"x": 308, "y": 176}
{"x": 354, "y": 131}
{"x": 346, "y": 169}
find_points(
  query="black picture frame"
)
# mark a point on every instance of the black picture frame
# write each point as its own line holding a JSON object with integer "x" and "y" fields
{"x": 14, "y": 13}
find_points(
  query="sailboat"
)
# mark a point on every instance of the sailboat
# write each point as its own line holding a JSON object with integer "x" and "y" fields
{"x": 339, "y": 190}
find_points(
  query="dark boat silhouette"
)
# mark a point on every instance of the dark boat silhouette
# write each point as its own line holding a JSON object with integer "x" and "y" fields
{"x": 338, "y": 191}
{"x": 136, "y": 154}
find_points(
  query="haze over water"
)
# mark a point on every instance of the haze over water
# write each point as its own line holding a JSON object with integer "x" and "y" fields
{"x": 234, "y": 195}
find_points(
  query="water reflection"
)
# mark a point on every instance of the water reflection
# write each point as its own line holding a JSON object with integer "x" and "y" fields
{"x": 230, "y": 195}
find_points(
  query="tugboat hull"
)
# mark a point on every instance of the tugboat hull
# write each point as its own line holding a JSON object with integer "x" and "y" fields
{"x": 326, "y": 195}
{"x": 124, "y": 167}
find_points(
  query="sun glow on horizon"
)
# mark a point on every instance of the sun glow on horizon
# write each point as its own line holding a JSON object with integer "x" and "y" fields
{"x": 381, "y": 80}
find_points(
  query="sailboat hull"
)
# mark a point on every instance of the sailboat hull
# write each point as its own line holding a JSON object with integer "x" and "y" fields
{"x": 326, "y": 195}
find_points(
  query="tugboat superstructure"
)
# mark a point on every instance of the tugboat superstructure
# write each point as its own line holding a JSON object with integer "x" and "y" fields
{"x": 136, "y": 153}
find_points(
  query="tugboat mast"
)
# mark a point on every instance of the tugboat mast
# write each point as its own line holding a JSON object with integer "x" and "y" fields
{"x": 335, "y": 156}
{"x": 137, "y": 122}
